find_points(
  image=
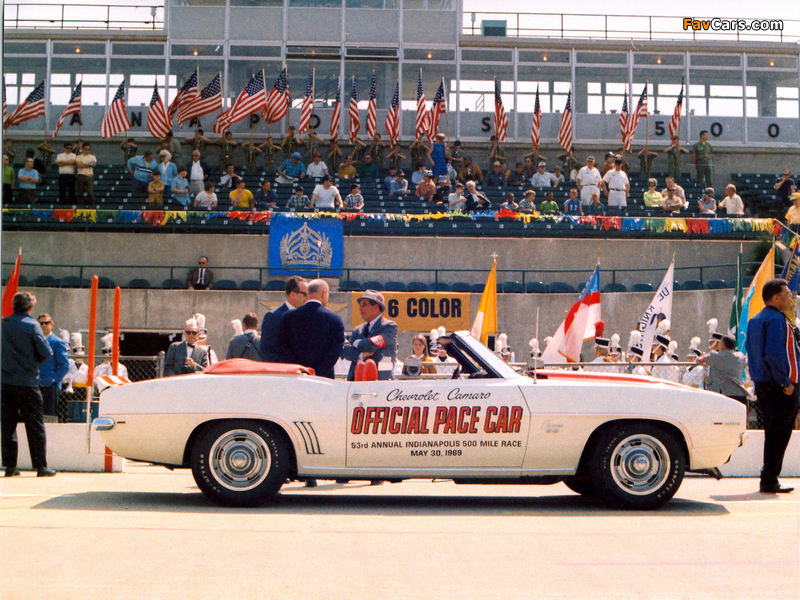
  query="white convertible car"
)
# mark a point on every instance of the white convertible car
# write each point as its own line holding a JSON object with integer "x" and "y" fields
{"x": 244, "y": 428}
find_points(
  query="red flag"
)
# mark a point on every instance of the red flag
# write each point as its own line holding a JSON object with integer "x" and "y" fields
{"x": 32, "y": 107}
{"x": 536, "y": 122}
{"x": 308, "y": 105}
{"x": 355, "y": 123}
{"x": 437, "y": 110}
{"x": 116, "y": 119}
{"x": 157, "y": 123}
{"x": 565, "y": 129}
{"x": 11, "y": 288}
{"x": 623, "y": 124}
{"x": 73, "y": 108}
{"x": 277, "y": 100}
{"x": 209, "y": 100}
{"x": 186, "y": 95}
{"x": 675, "y": 121}
{"x": 421, "y": 125}
{"x": 500, "y": 118}
{"x": 393, "y": 117}
{"x": 336, "y": 117}
{"x": 251, "y": 99}
{"x": 372, "y": 110}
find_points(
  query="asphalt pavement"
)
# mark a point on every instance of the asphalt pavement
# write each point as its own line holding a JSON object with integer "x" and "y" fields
{"x": 148, "y": 533}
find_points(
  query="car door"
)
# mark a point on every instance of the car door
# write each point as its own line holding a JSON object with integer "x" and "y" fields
{"x": 436, "y": 424}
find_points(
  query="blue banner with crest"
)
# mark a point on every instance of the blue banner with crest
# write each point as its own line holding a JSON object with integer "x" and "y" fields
{"x": 299, "y": 245}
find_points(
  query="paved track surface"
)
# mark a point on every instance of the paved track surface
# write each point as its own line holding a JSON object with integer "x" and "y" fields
{"x": 149, "y": 533}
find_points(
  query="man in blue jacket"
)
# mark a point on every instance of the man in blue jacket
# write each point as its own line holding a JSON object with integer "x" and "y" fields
{"x": 52, "y": 372}
{"x": 23, "y": 350}
{"x": 773, "y": 352}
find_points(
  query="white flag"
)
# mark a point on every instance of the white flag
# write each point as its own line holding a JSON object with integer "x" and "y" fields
{"x": 660, "y": 308}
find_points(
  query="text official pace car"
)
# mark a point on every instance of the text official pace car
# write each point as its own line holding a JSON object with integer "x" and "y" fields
{"x": 245, "y": 427}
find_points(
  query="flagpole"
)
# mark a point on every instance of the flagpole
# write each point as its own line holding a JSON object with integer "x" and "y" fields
{"x": 446, "y": 105}
{"x": 646, "y": 124}
{"x": 311, "y": 99}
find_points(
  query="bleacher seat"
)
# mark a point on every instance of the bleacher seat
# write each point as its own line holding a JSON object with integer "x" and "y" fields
{"x": 173, "y": 284}
{"x": 512, "y": 287}
{"x": 275, "y": 285}
{"x": 610, "y": 288}
{"x": 642, "y": 287}
{"x": 250, "y": 285}
{"x": 477, "y": 288}
{"x": 417, "y": 286}
{"x": 349, "y": 285}
{"x": 692, "y": 285}
{"x": 70, "y": 282}
{"x": 560, "y": 287}
{"x": 22, "y": 280}
{"x": 139, "y": 284}
{"x": 716, "y": 284}
{"x": 536, "y": 287}
{"x": 394, "y": 286}
{"x": 440, "y": 286}
{"x": 225, "y": 284}
{"x": 105, "y": 283}
{"x": 45, "y": 281}
{"x": 372, "y": 285}
{"x": 460, "y": 287}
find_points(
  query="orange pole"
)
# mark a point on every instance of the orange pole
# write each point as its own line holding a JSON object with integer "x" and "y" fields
{"x": 115, "y": 337}
{"x": 91, "y": 349}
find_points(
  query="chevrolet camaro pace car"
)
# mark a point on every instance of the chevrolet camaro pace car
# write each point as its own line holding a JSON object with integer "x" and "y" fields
{"x": 244, "y": 428}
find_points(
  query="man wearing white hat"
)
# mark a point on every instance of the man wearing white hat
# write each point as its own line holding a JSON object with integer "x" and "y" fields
{"x": 186, "y": 356}
{"x": 376, "y": 338}
{"x": 105, "y": 367}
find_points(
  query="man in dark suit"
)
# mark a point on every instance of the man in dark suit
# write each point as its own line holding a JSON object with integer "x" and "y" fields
{"x": 376, "y": 338}
{"x": 296, "y": 292}
{"x": 201, "y": 277}
{"x": 247, "y": 344}
{"x": 186, "y": 356}
{"x": 312, "y": 335}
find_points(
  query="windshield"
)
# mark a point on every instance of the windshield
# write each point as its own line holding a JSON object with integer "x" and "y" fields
{"x": 486, "y": 356}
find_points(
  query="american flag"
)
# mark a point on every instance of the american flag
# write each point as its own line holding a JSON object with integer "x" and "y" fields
{"x": 5, "y": 106}
{"x": 393, "y": 117}
{"x": 115, "y": 119}
{"x": 277, "y": 104}
{"x": 355, "y": 122}
{"x": 623, "y": 124}
{"x": 641, "y": 111}
{"x": 209, "y": 100}
{"x": 500, "y": 118}
{"x": 336, "y": 117}
{"x": 372, "y": 110}
{"x": 308, "y": 105}
{"x": 675, "y": 121}
{"x": 32, "y": 107}
{"x": 437, "y": 110}
{"x": 421, "y": 125}
{"x": 251, "y": 99}
{"x": 73, "y": 108}
{"x": 187, "y": 94}
{"x": 157, "y": 123}
{"x": 536, "y": 122}
{"x": 565, "y": 129}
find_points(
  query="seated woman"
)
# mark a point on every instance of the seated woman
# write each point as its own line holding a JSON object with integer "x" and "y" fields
{"x": 419, "y": 351}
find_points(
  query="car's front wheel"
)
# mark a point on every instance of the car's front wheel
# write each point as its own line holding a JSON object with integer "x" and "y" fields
{"x": 637, "y": 466}
{"x": 239, "y": 463}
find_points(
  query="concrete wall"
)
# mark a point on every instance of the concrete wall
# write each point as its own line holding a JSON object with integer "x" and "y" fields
{"x": 151, "y": 255}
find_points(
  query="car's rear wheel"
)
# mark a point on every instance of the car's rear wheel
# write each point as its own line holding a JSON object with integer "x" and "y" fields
{"x": 637, "y": 466}
{"x": 239, "y": 463}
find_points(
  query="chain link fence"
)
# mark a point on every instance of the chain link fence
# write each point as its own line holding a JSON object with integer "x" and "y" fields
{"x": 71, "y": 406}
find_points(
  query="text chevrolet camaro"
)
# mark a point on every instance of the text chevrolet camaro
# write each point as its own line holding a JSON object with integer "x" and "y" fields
{"x": 244, "y": 428}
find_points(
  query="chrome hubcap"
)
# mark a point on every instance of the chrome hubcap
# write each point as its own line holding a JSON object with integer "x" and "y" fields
{"x": 240, "y": 460}
{"x": 640, "y": 464}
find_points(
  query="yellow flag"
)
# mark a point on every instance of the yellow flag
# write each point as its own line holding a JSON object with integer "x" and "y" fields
{"x": 765, "y": 273}
{"x": 486, "y": 318}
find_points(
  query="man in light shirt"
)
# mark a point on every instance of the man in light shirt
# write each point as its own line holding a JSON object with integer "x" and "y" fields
{"x": 66, "y": 175}
{"x": 588, "y": 181}
{"x": 616, "y": 185}
{"x": 542, "y": 178}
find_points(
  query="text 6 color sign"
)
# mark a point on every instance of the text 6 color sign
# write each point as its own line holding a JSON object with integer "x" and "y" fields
{"x": 422, "y": 311}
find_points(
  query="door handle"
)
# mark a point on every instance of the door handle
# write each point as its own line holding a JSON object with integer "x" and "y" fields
{"x": 357, "y": 395}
